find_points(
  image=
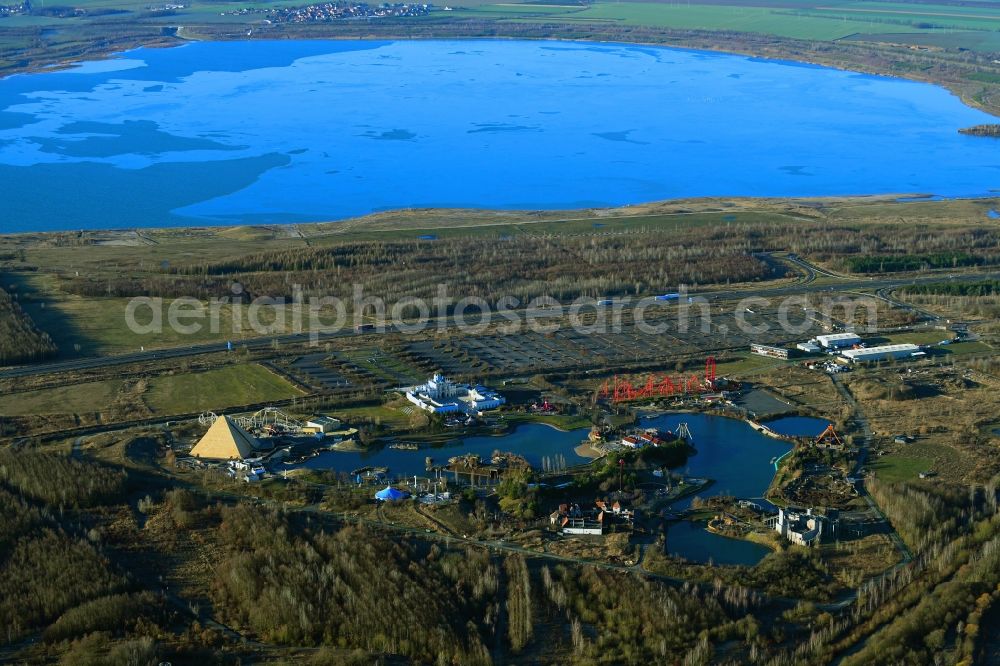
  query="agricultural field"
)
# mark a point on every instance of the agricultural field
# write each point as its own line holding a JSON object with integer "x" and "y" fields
{"x": 798, "y": 20}
{"x": 773, "y": 21}
{"x": 978, "y": 40}
{"x": 76, "y": 398}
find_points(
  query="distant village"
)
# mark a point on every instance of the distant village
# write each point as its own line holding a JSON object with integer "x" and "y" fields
{"x": 10, "y": 10}
{"x": 333, "y": 11}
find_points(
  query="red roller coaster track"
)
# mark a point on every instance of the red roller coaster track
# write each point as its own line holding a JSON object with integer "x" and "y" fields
{"x": 620, "y": 390}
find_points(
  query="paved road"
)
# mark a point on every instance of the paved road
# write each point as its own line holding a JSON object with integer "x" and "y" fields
{"x": 863, "y": 443}
{"x": 886, "y": 295}
{"x": 806, "y": 286}
{"x": 812, "y": 270}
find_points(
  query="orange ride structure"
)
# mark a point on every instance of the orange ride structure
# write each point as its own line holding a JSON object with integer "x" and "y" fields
{"x": 622, "y": 390}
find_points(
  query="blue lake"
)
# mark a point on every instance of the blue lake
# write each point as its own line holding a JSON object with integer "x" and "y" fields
{"x": 730, "y": 452}
{"x": 798, "y": 426}
{"x": 738, "y": 459}
{"x": 287, "y": 131}
{"x": 533, "y": 441}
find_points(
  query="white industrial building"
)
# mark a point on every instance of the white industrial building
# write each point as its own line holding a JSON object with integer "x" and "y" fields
{"x": 768, "y": 350}
{"x": 880, "y": 353}
{"x": 441, "y": 396}
{"x": 808, "y": 347}
{"x": 838, "y": 340}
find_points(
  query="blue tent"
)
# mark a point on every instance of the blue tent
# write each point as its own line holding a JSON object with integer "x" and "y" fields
{"x": 390, "y": 494}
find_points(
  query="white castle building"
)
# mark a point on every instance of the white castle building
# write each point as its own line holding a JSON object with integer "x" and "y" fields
{"x": 441, "y": 396}
{"x": 804, "y": 528}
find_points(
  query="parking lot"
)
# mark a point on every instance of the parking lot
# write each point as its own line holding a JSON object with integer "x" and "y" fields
{"x": 531, "y": 351}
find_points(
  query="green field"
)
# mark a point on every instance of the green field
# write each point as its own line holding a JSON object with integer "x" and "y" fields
{"x": 960, "y": 348}
{"x": 383, "y": 365}
{"x": 215, "y": 389}
{"x": 73, "y": 399}
{"x": 915, "y": 458}
{"x": 83, "y": 326}
{"x": 916, "y": 338}
{"x": 871, "y": 20}
{"x": 709, "y": 17}
{"x": 800, "y": 24}
{"x": 942, "y": 25}
{"x": 167, "y": 394}
{"x": 383, "y": 414}
{"x": 749, "y": 365}
{"x": 978, "y": 40}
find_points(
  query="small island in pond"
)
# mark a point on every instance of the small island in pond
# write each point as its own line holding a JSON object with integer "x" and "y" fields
{"x": 992, "y": 129}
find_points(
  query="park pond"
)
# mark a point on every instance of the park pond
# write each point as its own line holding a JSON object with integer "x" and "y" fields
{"x": 292, "y": 131}
{"x": 797, "y": 426}
{"x": 534, "y": 441}
{"x": 737, "y": 458}
{"x": 740, "y": 462}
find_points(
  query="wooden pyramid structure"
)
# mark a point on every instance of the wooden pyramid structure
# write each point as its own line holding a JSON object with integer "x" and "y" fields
{"x": 225, "y": 441}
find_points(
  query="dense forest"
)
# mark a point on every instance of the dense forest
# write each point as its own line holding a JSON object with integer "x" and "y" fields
{"x": 983, "y": 288}
{"x": 889, "y": 263}
{"x": 58, "y": 480}
{"x": 870, "y": 249}
{"x": 928, "y": 610}
{"x": 354, "y": 588}
{"x": 927, "y": 514}
{"x": 20, "y": 339}
{"x": 355, "y": 594}
{"x": 53, "y": 573}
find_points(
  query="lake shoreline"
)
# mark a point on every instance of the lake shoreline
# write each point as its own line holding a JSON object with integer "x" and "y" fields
{"x": 638, "y": 209}
{"x": 252, "y": 188}
{"x": 769, "y": 47}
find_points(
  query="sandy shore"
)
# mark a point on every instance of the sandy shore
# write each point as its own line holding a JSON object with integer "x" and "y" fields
{"x": 586, "y": 450}
{"x": 350, "y": 445}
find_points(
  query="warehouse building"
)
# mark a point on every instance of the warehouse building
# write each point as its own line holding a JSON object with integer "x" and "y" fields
{"x": 881, "y": 353}
{"x": 838, "y": 340}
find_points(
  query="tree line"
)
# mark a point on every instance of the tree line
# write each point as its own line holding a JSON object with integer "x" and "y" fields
{"x": 888, "y": 263}
{"x": 978, "y": 289}
{"x": 637, "y": 261}
{"x": 59, "y": 480}
{"x": 524, "y": 266}
{"x": 20, "y": 339}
